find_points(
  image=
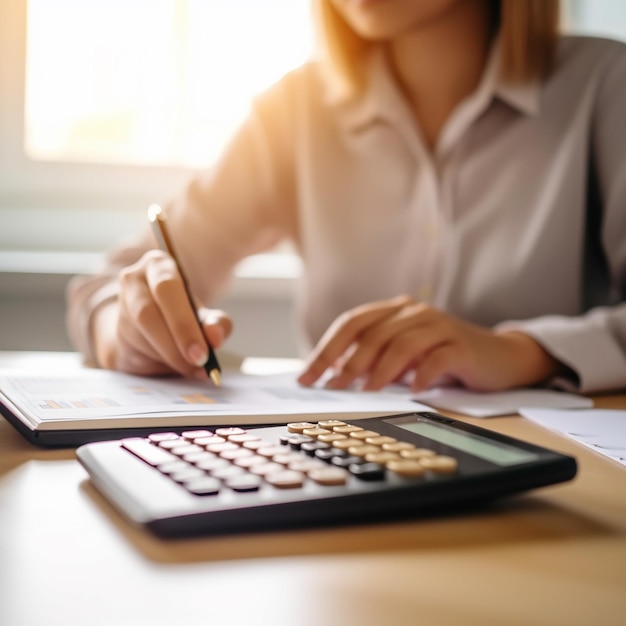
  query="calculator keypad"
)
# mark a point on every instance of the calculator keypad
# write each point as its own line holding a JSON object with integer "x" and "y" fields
{"x": 326, "y": 453}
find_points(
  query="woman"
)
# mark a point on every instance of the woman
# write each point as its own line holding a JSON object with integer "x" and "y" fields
{"x": 453, "y": 175}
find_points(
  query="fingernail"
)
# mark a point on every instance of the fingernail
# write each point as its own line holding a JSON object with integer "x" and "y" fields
{"x": 198, "y": 355}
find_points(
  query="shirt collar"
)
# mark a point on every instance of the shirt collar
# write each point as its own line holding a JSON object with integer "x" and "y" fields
{"x": 382, "y": 100}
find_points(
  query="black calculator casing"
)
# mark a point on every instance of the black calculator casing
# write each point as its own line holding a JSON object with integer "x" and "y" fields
{"x": 151, "y": 499}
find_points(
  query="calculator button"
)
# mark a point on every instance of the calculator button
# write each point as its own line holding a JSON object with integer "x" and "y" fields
{"x": 196, "y": 434}
{"x": 209, "y": 465}
{"x": 346, "y": 430}
{"x": 325, "y": 454}
{"x": 224, "y": 473}
{"x": 245, "y": 482}
{"x": 381, "y": 457}
{"x": 172, "y": 467}
{"x": 206, "y": 441}
{"x": 187, "y": 448}
{"x": 362, "y": 435}
{"x": 346, "y": 461}
{"x": 344, "y": 444}
{"x": 416, "y": 453}
{"x": 310, "y": 448}
{"x": 439, "y": 464}
{"x": 239, "y": 453}
{"x": 298, "y": 427}
{"x": 316, "y": 432}
{"x": 330, "y": 438}
{"x": 255, "y": 445}
{"x": 187, "y": 474}
{"x": 231, "y": 430}
{"x": 295, "y": 441}
{"x": 218, "y": 448}
{"x": 287, "y": 479}
{"x": 196, "y": 457}
{"x": 206, "y": 486}
{"x": 242, "y": 438}
{"x": 270, "y": 451}
{"x": 168, "y": 444}
{"x": 367, "y": 471}
{"x": 152, "y": 455}
{"x": 262, "y": 469}
{"x": 250, "y": 461}
{"x": 398, "y": 446}
{"x": 286, "y": 458}
{"x": 406, "y": 467}
{"x": 380, "y": 440}
{"x": 156, "y": 437}
{"x": 306, "y": 465}
{"x": 362, "y": 450}
{"x": 329, "y": 476}
{"x": 331, "y": 424}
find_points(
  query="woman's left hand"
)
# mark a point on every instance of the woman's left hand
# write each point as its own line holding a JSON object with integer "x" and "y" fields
{"x": 381, "y": 342}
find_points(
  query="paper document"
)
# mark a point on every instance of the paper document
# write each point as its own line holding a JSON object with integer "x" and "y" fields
{"x": 602, "y": 430}
{"x": 106, "y": 399}
{"x": 476, "y": 404}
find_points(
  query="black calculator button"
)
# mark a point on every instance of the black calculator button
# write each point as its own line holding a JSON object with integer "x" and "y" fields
{"x": 346, "y": 460}
{"x": 245, "y": 482}
{"x": 295, "y": 441}
{"x": 312, "y": 446}
{"x": 325, "y": 454}
{"x": 149, "y": 453}
{"x": 206, "y": 486}
{"x": 287, "y": 479}
{"x": 367, "y": 471}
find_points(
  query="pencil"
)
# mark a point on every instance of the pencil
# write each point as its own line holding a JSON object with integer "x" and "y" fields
{"x": 158, "y": 222}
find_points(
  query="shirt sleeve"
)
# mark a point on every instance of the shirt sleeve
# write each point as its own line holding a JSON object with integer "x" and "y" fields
{"x": 241, "y": 206}
{"x": 593, "y": 345}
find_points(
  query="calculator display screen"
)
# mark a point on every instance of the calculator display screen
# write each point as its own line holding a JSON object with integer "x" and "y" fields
{"x": 493, "y": 451}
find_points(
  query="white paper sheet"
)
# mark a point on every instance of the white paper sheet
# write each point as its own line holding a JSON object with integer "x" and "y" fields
{"x": 477, "y": 404}
{"x": 601, "y": 430}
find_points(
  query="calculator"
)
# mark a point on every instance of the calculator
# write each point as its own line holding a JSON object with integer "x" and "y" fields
{"x": 306, "y": 474}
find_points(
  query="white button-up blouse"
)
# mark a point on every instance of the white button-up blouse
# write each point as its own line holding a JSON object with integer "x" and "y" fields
{"x": 516, "y": 219}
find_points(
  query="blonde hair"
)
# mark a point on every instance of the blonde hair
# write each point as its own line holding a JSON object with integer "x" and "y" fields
{"x": 528, "y": 29}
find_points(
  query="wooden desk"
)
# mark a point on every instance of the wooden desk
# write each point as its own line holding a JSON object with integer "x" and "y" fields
{"x": 555, "y": 557}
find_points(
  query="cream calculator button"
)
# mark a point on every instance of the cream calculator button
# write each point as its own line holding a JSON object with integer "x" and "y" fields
{"x": 416, "y": 453}
{"x": 362, "y": 435}
{"x": 406, "y": 467}
{"x": 362, "y": 450}
{"x": 440, "y": 464}
{"x": 380, "y": 440}
{"x": 298, "y": 427}
{"x": 398, "y": 446}
{"x": 329, "y": 476}
{"x": 331, "y": 423}
{"x": 331, "y": 438}
{"x": 381, "y": 457}
{"x": 287, "y": 479}
{"x": 344, "y": 444}
{"x": 316, "y": 432}
{"x": 346, "y": 430}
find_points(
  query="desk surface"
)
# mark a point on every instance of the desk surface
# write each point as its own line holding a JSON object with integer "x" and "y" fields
{"x": 556, "y": 556}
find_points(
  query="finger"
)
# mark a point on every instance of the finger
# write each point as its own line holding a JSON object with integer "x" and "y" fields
{"x": 440, "y": 363}
{"x": 341, "y": 335}
{"x": 403, "y": 351}
{"x": 216, "y": 325}
{"x": 179, "y": 315}
{"x": 144, "y": 319}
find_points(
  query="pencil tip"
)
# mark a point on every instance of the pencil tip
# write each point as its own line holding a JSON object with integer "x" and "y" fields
{"x": 215, "y": 377}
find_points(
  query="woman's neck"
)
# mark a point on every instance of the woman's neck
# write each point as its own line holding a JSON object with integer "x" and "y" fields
{"x": 440, "y": 63}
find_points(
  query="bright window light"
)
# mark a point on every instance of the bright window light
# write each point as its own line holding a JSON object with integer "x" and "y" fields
{"x": 152, "y": 82}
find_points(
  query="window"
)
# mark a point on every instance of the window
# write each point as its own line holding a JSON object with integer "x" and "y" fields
{"x": 108, "y": 106}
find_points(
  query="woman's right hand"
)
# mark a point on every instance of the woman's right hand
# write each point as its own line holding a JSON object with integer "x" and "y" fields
{"x": 151, "y": 328}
